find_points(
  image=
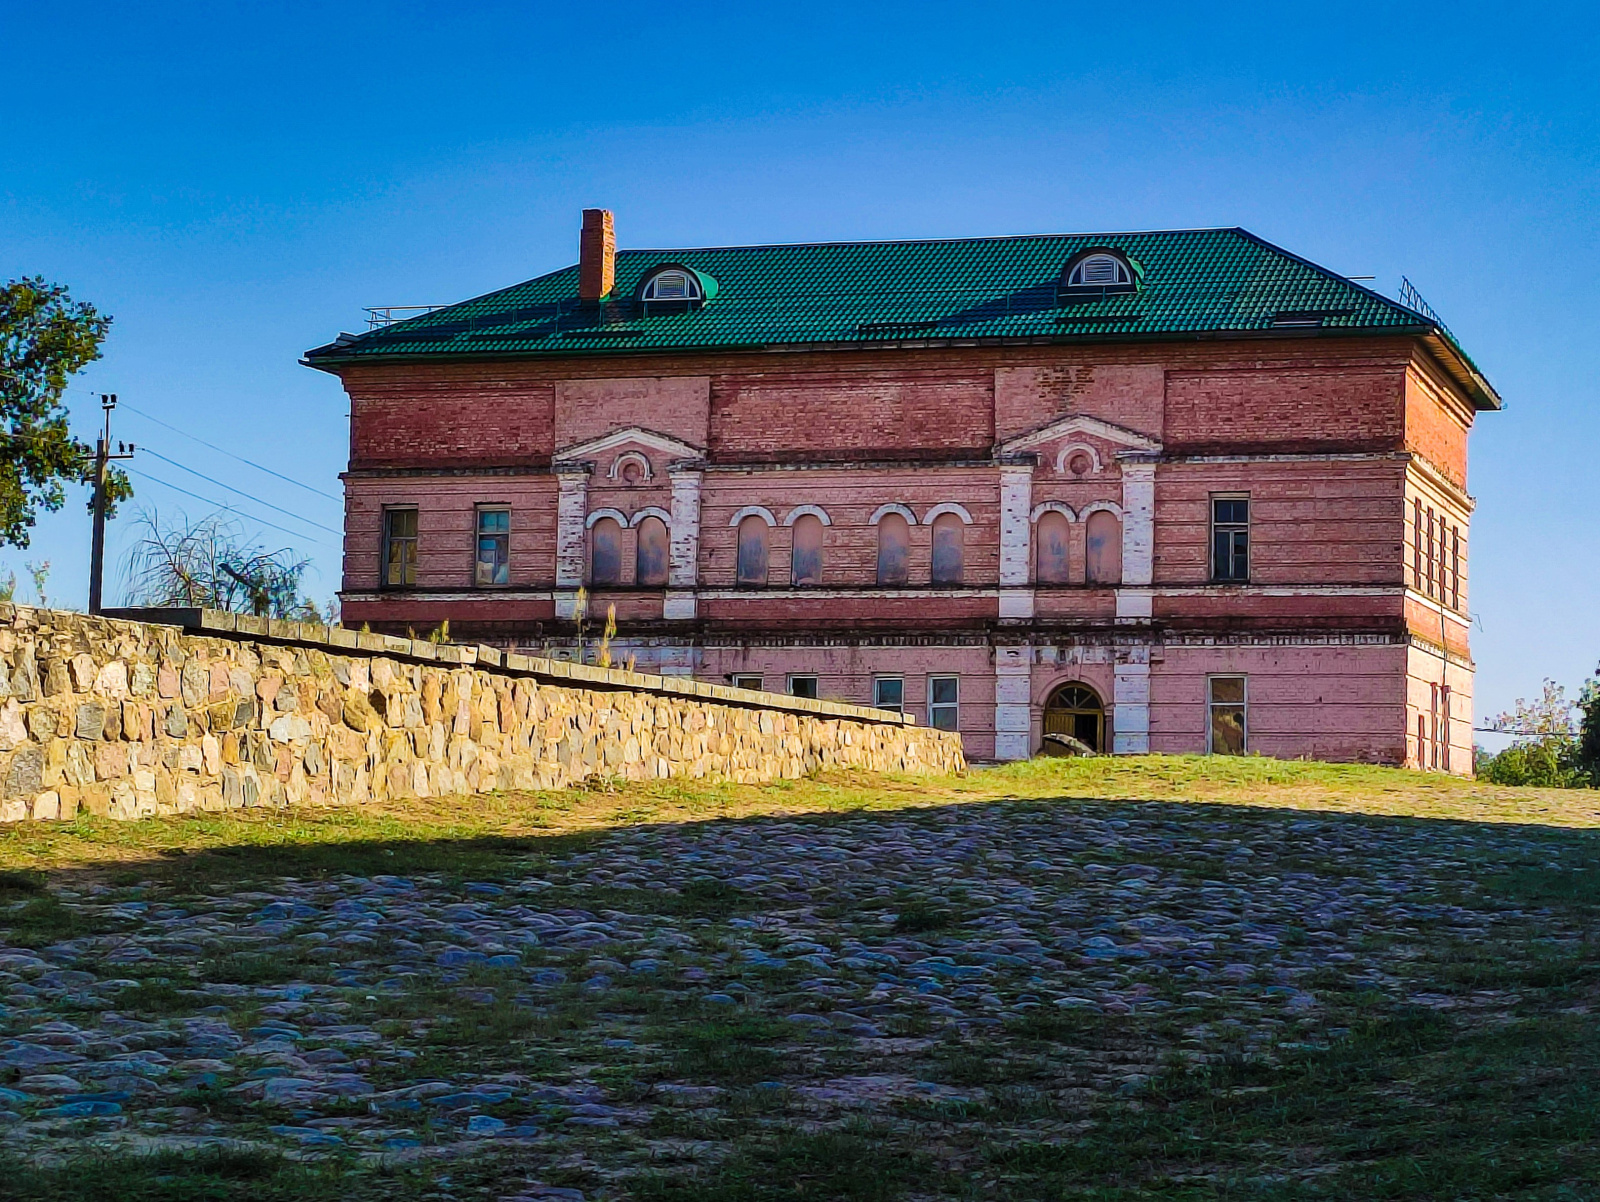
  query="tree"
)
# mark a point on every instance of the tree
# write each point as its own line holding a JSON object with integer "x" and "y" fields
{"x": 45, "y": 336}
{"x": 1586, "y": 756}
{"x": 210, "y": 564}
{"x": 1547, "y": 750}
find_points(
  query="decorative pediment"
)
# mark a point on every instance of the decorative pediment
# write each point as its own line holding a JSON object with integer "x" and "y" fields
{"x": 1079, "y": 426}
{"x": 663, "y": 445}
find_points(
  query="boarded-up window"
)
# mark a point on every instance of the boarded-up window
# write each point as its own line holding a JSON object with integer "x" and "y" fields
{"x": 650, "y": 556}
{"x": 1227, "y": 701}
{"x": 949, "y": 534}
{"x": 1416, "y": 545}
{"x": 894, "y": 541}
{"x": 605, "y": 552}
{"x": 1455, "y": 567}
{"x": 1432, "y": 570}
{"x": 1053, "y": 535}
{"x": 806, "y": 560}
{"x": 753, "y": 551}
{"x": 1103, "y": 548}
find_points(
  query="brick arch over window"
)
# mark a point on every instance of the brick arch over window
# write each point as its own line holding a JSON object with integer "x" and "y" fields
{"x": 948, "y": 507}
{"x": 753, "y": 511}
{"x": 883, "y": 511}
{"x": 800, "y": 511}
{"x": 615, "y": 515}
{"x": 650, "y": 511}
{"x": 1060, "y": 507}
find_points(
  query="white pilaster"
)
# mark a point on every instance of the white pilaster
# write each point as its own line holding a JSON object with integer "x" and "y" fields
{"x": 1131, "y": 697}
{"x": 1013, "y": 703}
{"x": 572, "y": 506}
{"x": 1135, "y": 598}
{"x": 684, "y": 572}
{"x": 1016, "y": 540}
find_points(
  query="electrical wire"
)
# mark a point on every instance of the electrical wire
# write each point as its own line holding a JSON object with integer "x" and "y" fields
{"x": 247, "y": 496}
{"x": 227, "y": 507}
{"x": 229, "y": 454}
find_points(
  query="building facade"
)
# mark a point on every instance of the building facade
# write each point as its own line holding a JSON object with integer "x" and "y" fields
{"x": 1176, "y": 492}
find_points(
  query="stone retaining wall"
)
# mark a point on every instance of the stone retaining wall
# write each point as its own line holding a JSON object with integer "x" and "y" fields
{"x": 134, "y": 719}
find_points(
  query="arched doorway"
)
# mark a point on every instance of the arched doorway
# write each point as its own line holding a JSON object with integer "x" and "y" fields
{"x": 1075, "y": 709}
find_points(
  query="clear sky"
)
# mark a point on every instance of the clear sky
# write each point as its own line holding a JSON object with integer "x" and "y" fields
{"x": 234, "y": 182}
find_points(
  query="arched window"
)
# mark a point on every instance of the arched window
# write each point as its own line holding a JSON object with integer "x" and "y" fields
{"x": 948, "y": 552}
{"x": 806, "y": 560}
{"x": 894, "y": 543}
{"x": 1103, "y": 546}
{"x": 1052, "y": 536}
{"x": 1097, "y": 271}
{"x": 753, "y": 550}
{"x": 671, "y": 285}
{"x": 650, "y": 556}
{"x": 605, "y": 552}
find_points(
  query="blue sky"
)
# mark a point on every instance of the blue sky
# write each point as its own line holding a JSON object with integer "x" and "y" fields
{"x": 235, "y": 182}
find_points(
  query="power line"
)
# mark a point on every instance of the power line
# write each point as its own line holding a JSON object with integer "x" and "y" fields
{"x": 231, "y": 455}
{"x": 247, "y": 496}
{"x": 228, "y": 507}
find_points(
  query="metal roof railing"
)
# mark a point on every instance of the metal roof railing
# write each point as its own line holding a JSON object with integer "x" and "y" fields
{"x": 387, "y": 315}
{"x": 1412, "y": 299}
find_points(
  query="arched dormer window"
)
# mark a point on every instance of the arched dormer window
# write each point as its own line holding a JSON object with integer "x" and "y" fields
{"x": 671, "y": 285}
{"x": 674, "y": 288}
{"x": 1096, "y": 272}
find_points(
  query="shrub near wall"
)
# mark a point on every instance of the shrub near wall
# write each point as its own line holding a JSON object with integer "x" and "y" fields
{"x": 132, "y": 719}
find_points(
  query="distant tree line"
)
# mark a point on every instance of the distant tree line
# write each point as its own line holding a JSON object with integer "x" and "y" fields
{"x": 1556, "y": 741}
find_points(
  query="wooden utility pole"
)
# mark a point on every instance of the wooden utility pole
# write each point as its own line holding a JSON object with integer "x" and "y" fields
{"x": 97, "y": 545}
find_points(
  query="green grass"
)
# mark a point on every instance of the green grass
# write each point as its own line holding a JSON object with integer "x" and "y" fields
{"x": 1488, "y": 1092}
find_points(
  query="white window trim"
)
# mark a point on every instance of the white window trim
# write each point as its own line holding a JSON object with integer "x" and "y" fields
{"x": 615, "y": 515}
{"x": 938, "y": 511}
{"x": 753, "y": 511}
{"x": 1119, "y": 270}
{"x": 1052, "y": 507}
{"x": 876, "y": 680}
{"x": 691, "y": 285}
{"x": 627, "y": 457}
{"x": 1210, "y": 676}
{"x": 651, "y": 511}
{"x": 955, "y": 705}
{"x": 1110, "y": 507}
{"x": 800, "y": 511}
{"x": 791, "y": 677}
{"x": 883, "y": 511}
{"x": 759, "y": 686}
{"x": 1071, "y": 449}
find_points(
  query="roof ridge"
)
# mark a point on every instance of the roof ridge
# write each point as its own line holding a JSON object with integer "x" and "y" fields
{"x": 1199, "y": 229}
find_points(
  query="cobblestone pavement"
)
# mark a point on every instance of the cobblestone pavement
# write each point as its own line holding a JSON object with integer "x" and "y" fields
{"x": 635, "y": 1001}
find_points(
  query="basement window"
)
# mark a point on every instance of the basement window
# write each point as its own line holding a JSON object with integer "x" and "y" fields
{"x": 748, "y": 682}
{"x": 944, "y": 696}
{"x": 889, "y": 693}
{"x": 1227, "y": 700}
{"x": 803, "y": 686}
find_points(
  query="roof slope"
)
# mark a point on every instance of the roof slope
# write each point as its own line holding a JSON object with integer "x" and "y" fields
{"x": 1216, "y": 282}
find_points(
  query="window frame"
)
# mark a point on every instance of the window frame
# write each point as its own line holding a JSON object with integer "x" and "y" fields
{"x": 1233, "y": 529}
{"x": 741, "y": 680}
{"x": 502, "y": 537}
{"x": 638, "y": 545}
{"x": 390, "y": 512}
{"x": 899, "y": 707}
{"x": 935, "y": 708}
{"x": 793, "y": 677}
{"x": 1243, "y": 705}
{"x": 691, "y": 286}
{"x": 591, "y": 577}
{"x": 1120, "y": 273}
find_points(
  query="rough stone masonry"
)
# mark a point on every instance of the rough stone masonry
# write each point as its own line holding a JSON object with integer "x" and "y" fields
{"x": 133, "y": 719}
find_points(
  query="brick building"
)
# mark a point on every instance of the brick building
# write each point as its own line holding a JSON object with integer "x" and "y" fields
{"x": 1178, "y": 491}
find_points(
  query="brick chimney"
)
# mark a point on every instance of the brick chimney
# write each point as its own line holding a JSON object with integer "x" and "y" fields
{"x": 597, "y": 255}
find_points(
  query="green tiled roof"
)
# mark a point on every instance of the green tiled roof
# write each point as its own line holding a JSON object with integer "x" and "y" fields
{"x": 1194, "y": 283}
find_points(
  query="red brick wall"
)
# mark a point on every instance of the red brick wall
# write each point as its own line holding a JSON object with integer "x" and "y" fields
{"x": 425, "y": 415}
{"x": 1436, "y": 425}
{"x": 886, "y": 412}
{"x": 1285, "y": 408}
{"x": 1129, "y": 395}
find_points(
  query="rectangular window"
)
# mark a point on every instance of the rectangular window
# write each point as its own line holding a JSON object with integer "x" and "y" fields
{"x": 1230, "y": 538}
{"x": 1444, "y": 727}
{"x": 494, "y": 546}
{"x": 399, "y": 548}
{"x": 748, "y": 682}
{"x": 1416, "y": 545}
{"x": 1455, "y": 567}
{"x": 889, "y": 693}
{"x": 1433, "y": 758}
{"x": 944, "y": 702}
{"x": 803, "y": 686}
{"x": 1432, "y": 568}
{"x": 1227, "y": 700}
